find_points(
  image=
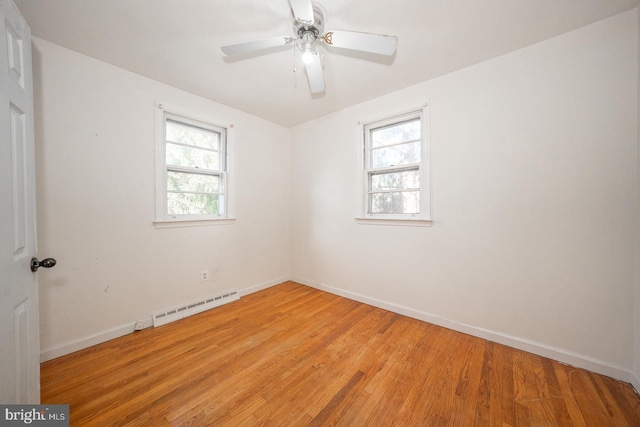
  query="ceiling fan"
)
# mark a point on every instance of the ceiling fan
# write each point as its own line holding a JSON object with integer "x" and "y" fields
{"x": 309, "y": 37}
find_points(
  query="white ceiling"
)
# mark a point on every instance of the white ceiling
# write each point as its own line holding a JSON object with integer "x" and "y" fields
{"x": 178, "y": 43}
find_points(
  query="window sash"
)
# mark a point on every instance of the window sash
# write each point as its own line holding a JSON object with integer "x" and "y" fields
{"x": 374, "y": 194}
{"x": 186, "y": 122}
{"x": 203, "y": 153}
{"x": 192, "y": 125}
{"x": 400, "y": 154}
{"x": 198, "y": 172}
{"x": 370, "y": 171}
{"x": 207, "y": 203}
{"x": 394, "y": 123}
{"x": 220, "y": 194}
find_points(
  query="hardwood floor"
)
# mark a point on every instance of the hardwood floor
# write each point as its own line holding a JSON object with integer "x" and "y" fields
{"x": 292, "y": 355}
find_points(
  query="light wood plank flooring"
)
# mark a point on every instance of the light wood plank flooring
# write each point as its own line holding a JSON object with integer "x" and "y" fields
{"x": 294, "y": 356}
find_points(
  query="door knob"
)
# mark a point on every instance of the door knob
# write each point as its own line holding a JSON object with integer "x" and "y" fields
{"x": 46, "y": 263}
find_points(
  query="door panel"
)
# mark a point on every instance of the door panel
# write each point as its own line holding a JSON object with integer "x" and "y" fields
{"x": 18, "y": 178}
{"x": 19, "y": 351}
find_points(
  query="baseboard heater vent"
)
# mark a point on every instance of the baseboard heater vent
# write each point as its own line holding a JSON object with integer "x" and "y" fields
{"x": 182, "y": 311}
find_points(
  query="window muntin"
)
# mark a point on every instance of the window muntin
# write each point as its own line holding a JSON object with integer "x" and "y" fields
{"x": 395, "y": 168}
{"x": 194, "y": 169}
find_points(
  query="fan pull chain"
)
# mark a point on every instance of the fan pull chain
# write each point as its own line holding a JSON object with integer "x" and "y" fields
{"x": 294, "y": 59}
{"x": 295, "y": 79}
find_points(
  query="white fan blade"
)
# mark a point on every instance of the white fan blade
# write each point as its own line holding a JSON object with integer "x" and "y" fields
{"x": 302, "y": 10}
{"x": 314, "y": 74}
{"x": 366, "y": 42}
{"x": 239, "y": 48}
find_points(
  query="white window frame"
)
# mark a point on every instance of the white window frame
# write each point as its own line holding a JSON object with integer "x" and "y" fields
{"x": 423, "y": 217}
{"x": 163, "y": 218}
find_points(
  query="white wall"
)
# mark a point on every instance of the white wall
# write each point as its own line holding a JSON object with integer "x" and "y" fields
{"x": 636, "y": 336}
{"x": 95, "y": 165}
{"x": 533, "y": 184}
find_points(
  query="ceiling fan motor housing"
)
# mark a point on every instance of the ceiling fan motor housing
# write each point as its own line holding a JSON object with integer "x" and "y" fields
{"x": 309, "y": 33}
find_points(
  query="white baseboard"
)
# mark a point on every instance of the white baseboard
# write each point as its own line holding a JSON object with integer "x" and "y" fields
{"x": 261, "y": 286}
{"x": 79, "y": 344}
{"x": 82, "y": 343}
{"x": 635, "y": 382}
{"x": 560, "y": 355}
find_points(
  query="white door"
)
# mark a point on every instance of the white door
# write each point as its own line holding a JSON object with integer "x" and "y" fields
{"x": 19, "y": 338}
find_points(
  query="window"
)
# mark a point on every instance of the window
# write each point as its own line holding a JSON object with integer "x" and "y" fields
{"x": 396, "y": 173}
{"x": 192, "y": 181}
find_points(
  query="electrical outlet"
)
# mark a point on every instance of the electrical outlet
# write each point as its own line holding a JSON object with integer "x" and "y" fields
{"x": 204, "y": 275}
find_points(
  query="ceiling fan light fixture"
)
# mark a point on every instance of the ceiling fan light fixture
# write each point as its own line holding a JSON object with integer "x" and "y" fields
{"x": 307, "y": 54}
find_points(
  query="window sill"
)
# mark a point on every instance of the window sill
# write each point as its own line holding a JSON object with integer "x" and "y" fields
{"x": 179, "y": 223}
{"x": 396, "y": 222}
